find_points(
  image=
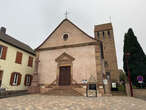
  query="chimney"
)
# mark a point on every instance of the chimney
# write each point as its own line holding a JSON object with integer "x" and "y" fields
{"x": 2, "y": 30}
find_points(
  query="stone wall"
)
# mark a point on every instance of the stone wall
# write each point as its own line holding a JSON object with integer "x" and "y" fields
{"x": 104, "y": 33}
{"x": 83, "y": 65}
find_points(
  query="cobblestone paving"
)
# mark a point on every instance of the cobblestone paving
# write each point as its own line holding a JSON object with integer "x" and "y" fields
{"x": 45, "y": 102}
{"x": 140, "y": 93}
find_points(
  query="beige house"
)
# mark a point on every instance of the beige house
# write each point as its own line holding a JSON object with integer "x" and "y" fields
{"x": 70, "y": 58}
{"x": 16, "y": 63}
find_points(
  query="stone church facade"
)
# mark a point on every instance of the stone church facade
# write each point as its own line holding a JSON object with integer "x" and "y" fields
{"x": 70, "y": 57}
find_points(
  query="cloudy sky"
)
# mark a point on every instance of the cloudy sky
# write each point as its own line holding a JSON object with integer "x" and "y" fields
{"x": 31, "y": 21}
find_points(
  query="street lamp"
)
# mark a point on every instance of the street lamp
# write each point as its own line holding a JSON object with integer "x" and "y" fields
{"x": 129, "y": 76}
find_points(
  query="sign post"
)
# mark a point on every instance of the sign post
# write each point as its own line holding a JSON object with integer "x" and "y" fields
{"x": 140, "y": 80}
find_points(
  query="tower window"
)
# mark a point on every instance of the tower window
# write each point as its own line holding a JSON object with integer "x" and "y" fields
{"x": 103, "y": 34}
{"x": 108, "y": 32}
{"x": 106, "y": 63}
{"x": 101, "y": 49}
{"x": 108, "y": 75}
{"x": 98, "y": 35}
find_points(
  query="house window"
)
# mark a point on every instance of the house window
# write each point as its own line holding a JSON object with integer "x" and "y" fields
{"x": 3, "y": 52}
{"x": 30, "y": 61}
{"x": 15, "y": 79}
{"x": 28, "y": 79}
{"x": 18, "y": 58}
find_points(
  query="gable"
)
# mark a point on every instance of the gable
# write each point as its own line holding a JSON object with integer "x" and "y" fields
{"x": 75, "y": 36}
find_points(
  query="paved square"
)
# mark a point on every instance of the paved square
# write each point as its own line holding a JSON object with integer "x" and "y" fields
{"x": 46, "y": 102}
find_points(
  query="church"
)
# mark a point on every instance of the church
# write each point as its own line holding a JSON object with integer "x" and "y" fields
{"x": 71, "y": 58}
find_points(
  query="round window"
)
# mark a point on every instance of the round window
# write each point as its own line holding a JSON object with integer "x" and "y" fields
{"x": 65, "y": 36}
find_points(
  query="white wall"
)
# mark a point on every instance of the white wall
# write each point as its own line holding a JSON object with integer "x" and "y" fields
{"x": 8, "y": 66}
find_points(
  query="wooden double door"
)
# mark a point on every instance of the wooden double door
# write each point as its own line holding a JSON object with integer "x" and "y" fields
{"x": 64, "y": 75}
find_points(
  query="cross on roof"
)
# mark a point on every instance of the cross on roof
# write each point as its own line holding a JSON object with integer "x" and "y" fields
{"x": 66, "y": 14}
{"x": 110, "y": 18}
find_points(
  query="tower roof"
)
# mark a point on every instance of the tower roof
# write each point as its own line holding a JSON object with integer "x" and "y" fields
{"x": 102, "y": 27}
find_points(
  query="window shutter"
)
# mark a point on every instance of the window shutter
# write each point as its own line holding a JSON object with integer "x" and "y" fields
{"x": 1, "y": 75}
{"x": 19, "y": 78}
{"x": 4, "y": 52}
{"x": 25, "y": 80}
{"x": 19, "y": 57}
{"x": 30, "y": 61}
{"x": 12, "y": 79}
{"x": 31, "y": 77}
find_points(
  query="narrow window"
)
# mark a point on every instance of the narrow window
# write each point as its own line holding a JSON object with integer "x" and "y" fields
{"x": 108, "y": 32}
{"x": 18, "y": 57}
{"x": 1, "y": 75}
{"x": 98, "y": 35}
{"x": 101, "y": 49}
{"x": 30, "y": 61}
{"x": 108, "y": 75}
{"x": 106, "y": 63}
{"x": 103, "y": 34}
{"x": 15, "y": 81}
{"x": 28, "y": 80}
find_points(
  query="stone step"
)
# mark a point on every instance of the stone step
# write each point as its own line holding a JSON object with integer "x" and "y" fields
{"x": 63, "y": 91}
{"x": 118, "y": 93}
{"x": 71, "y": 86}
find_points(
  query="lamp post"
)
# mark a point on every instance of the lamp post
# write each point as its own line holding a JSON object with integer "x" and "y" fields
{"x": 129, "y": 76}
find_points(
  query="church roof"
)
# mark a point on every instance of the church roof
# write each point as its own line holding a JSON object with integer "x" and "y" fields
{"x": 59, "y": 26}
{"x": 12, "y": 41}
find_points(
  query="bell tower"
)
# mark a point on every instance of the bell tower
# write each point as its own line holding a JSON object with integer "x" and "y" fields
{"x": 104, "y": 33}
